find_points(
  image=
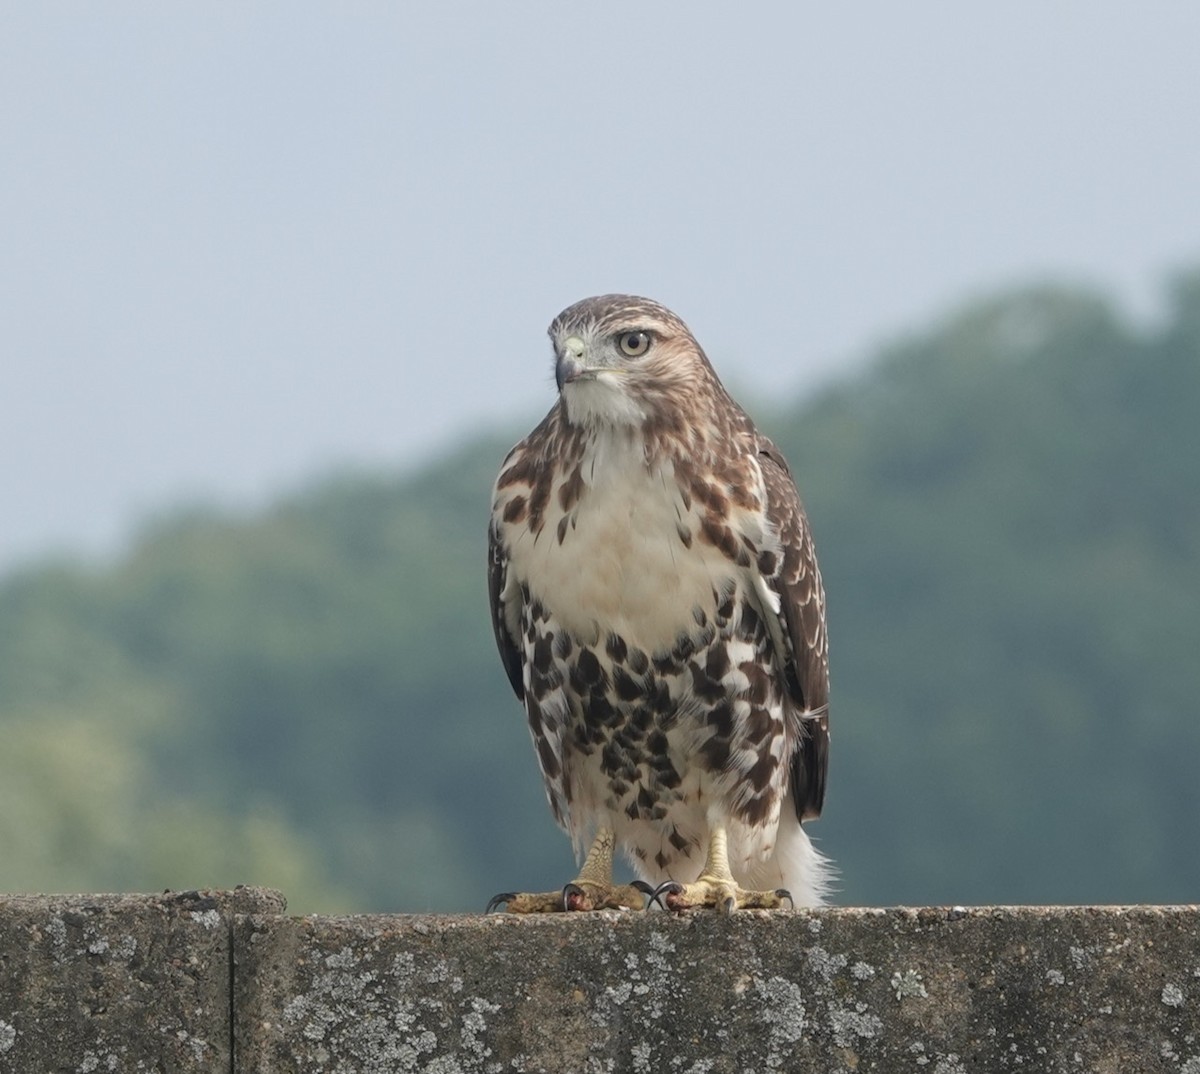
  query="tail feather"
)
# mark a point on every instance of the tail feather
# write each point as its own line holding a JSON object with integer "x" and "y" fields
{"x": 794, "y": 864}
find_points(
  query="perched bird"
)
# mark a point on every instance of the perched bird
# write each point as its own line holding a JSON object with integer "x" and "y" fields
{"x": 658, "y": 609}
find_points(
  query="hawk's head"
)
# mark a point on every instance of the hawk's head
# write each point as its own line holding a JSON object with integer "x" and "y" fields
{"x": 624, "y": 360}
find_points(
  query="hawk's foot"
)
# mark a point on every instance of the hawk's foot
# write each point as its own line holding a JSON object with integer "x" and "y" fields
{"x": 578, "y": 895}
{"x": 592, "y": 889}
{"x": 717, "y": 893}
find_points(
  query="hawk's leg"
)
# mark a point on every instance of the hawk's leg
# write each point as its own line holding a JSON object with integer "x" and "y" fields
{"x": 592, "y": 889}
{"x": 716, "y": 887}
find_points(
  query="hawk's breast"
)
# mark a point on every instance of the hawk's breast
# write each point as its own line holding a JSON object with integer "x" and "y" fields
{"x": 619, "y": 550}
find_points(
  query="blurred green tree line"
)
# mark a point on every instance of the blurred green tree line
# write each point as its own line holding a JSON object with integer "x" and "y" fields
{"x": 1007, "y": 510}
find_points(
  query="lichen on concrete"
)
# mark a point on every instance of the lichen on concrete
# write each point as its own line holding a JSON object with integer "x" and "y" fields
{"x": 100, "y": 983}
{"x": 935, "y": 991}
{"x": 92, "y": 984}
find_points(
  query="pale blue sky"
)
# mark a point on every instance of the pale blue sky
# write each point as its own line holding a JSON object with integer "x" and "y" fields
{"x": 243, "y": 244}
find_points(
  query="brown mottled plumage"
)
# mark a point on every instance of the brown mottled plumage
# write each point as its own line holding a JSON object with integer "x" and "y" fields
{"x": 658, "y": 608}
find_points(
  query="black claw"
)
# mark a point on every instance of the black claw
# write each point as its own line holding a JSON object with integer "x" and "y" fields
{"x": 783, "y": 893}
{"x": 729, "y": 905}
{"x": 499, "y": 900}
{"x": 645, "y": 889}
{"x": 569, "y": 890}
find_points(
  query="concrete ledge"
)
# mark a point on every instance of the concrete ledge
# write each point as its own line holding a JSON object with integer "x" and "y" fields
{"x": 119, "y": 982}
{"x": 940, "y": 991}
{"x": 223, "y": 981}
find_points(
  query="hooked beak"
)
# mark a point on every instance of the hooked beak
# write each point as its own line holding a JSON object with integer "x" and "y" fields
{"x": 569, "y": 366}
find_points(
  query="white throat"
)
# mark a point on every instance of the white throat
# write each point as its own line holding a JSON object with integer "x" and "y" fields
{"x": 601, "y": 401}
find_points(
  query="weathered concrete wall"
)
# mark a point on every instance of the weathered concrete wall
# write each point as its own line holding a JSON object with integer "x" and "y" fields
{"x": 150, "y": 983}
{"x": 119, "y": 982}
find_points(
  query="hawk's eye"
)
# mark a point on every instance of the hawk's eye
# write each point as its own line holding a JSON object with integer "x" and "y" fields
{"x": 633, "y": 344}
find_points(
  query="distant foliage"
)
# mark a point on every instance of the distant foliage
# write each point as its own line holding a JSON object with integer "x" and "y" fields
{"x": 1007, "y": 510}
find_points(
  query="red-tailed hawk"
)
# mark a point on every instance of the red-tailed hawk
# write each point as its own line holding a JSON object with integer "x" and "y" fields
{"x": 659, "y": 611}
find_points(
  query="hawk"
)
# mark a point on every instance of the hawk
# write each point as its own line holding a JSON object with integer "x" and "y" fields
{"x": 659, "y": 611}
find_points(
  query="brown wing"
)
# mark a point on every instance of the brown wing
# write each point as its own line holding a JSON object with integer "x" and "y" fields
{"x": 510, "y": 655}
{"x": 797, "y": 580}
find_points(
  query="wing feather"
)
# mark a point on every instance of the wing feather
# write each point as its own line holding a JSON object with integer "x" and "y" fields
{"x": 797, "y": 581}
{"x": 499, "y": 597}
